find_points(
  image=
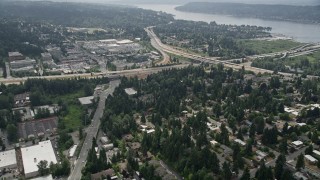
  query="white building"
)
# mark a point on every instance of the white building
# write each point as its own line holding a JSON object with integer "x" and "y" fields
{"x": 310, "y": 159}
{"x": 48, "y": 177}
{"x": 104, "y": 140}
{"x": 240, "y": 142}
{"x": 297, "y": 143}
{"x": 213, "y": 142}
{"x": 31, "y": 156}
{"x": 72, "y": 150}
{"x": 316, "y": 153}
{"x": 86, "y": 100}
{"x": 8, "y": 159}
{"x": 130, "y": 91}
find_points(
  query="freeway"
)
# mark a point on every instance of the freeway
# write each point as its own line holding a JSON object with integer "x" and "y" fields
{"x": 166, "y": 58}
{"x": 111, "y": 74}
{"x": 228, "y": 63}
{"x": 92, "y": 132}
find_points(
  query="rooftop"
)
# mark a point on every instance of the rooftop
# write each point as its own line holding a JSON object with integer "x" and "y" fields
{"x": 130, "y": 91}
{"x": 32, "y": 155}
{"x": 297, "y": 143}
{"x": 240, "y": 142}
{"x": 86, "y": 100}
{"x": 310, "y": 158}
{"x": 14, "y": 54}
{"x": 8, "y": 158}
{"x": 213, "y": 142}
{"x": 125, "y": 41}
{"x": 316, "y": 152}
{"x": 48, "y": 177}
{"x": 72, "y": 150}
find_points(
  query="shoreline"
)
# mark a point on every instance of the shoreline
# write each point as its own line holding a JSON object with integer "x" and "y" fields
{"x": 254, "y": 17}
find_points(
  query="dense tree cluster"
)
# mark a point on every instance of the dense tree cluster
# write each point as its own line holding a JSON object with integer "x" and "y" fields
{"x": 210, "y": 38}
{"x": 130, "y": 21}
{"x": 300, "y": 65}
{"x": 162, "y": 97}
{"x": 95, "y": 164}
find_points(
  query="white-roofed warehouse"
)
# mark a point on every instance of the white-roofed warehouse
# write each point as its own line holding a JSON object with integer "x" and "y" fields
{"x": 31, "y": 156}
{"x": 8, "y": 159}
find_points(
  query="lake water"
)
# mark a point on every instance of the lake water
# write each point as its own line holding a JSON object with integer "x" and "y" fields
{"x": 308, "y": 33}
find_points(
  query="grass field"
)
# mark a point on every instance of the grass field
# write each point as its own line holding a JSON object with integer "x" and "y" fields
{"x": 72, "y": 119}
{"x": 264, "y": 46}
{"x": 313, "y": 58}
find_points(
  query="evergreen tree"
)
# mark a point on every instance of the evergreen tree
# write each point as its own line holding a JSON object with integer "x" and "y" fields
{"x": 246, "y": 174}
{"x": 300, "y": 162}
{"x": 283, "y": 146}
{"x": 309, "y": 150}
{"x": 226, "y": 173}
{"x": 252, "y": 130}
{"x": 286, "y": 175}
{"x": 143, "y": 118}
{"x": 280, "y": 162}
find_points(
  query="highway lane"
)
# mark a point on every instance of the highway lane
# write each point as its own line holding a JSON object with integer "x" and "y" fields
{"x": 166, "y": 58}
{"x": 131, "y": 72}
{"x": 92, "y": 132}
{"x": 227, "y": 63}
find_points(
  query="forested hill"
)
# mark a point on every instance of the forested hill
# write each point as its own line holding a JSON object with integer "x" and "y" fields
{"x": 305, "y": 14}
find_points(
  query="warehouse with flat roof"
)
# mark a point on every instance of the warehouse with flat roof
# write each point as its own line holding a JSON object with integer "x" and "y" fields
{"x": 31, "y": 156}
{"x": 8, "y": 159}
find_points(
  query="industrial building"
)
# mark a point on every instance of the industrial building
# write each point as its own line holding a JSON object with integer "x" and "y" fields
{"x": 8, "y": 159}
{"x": 86, "y": 100}
{"x": 46, "y": 57}
{"x": 15, "y": 56}
{"x": 23, "y": 63}
{"x": 31, "y": 156}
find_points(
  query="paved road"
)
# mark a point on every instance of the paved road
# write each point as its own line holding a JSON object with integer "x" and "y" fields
{"x": 215, "y": 60}
{"x": 92, "y": 132}
{"x": 8, "y": 70}
{"x": 166, "y": 57}
{"x": 170, "y": 171}
{"x": 272, "y": 163}
{"x": 111, "y": 74}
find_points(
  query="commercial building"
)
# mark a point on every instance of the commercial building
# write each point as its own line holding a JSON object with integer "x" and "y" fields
{"x": 23, "y": 63}
{"x": 15, "y": 56}
{"x": 48, "y": 177}
{"x": 8, "y": 159}
{"x": 240, "y": 142}
{"x": 310, "y": 159}
{"x": 21, "y": 100}
{"x": 297, "y": 144}
{"x": 104, "y": 140}
{"x": 31, "y": 156}
{"x": 72, "y": 151}
{"x": 46, "y": 57}
{"x": 316, "y": 153}
{"x": 86, "y": 100}
{"x": 130, "y": 91}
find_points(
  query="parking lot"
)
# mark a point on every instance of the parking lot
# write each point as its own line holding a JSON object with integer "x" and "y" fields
{"x": 38, "y": 127}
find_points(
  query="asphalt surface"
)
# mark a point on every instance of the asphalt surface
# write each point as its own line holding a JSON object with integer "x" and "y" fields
{"x": 227, "y": 63}
{"x": 91, "y": 132}
{"x": 154, "y": 43}
{"x": 110, "y": 74}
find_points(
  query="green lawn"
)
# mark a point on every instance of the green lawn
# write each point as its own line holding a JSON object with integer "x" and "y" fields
{"x": 313, "y": 58}
{"x": 72, "y": 119}
{"x": 264, "y": 46}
